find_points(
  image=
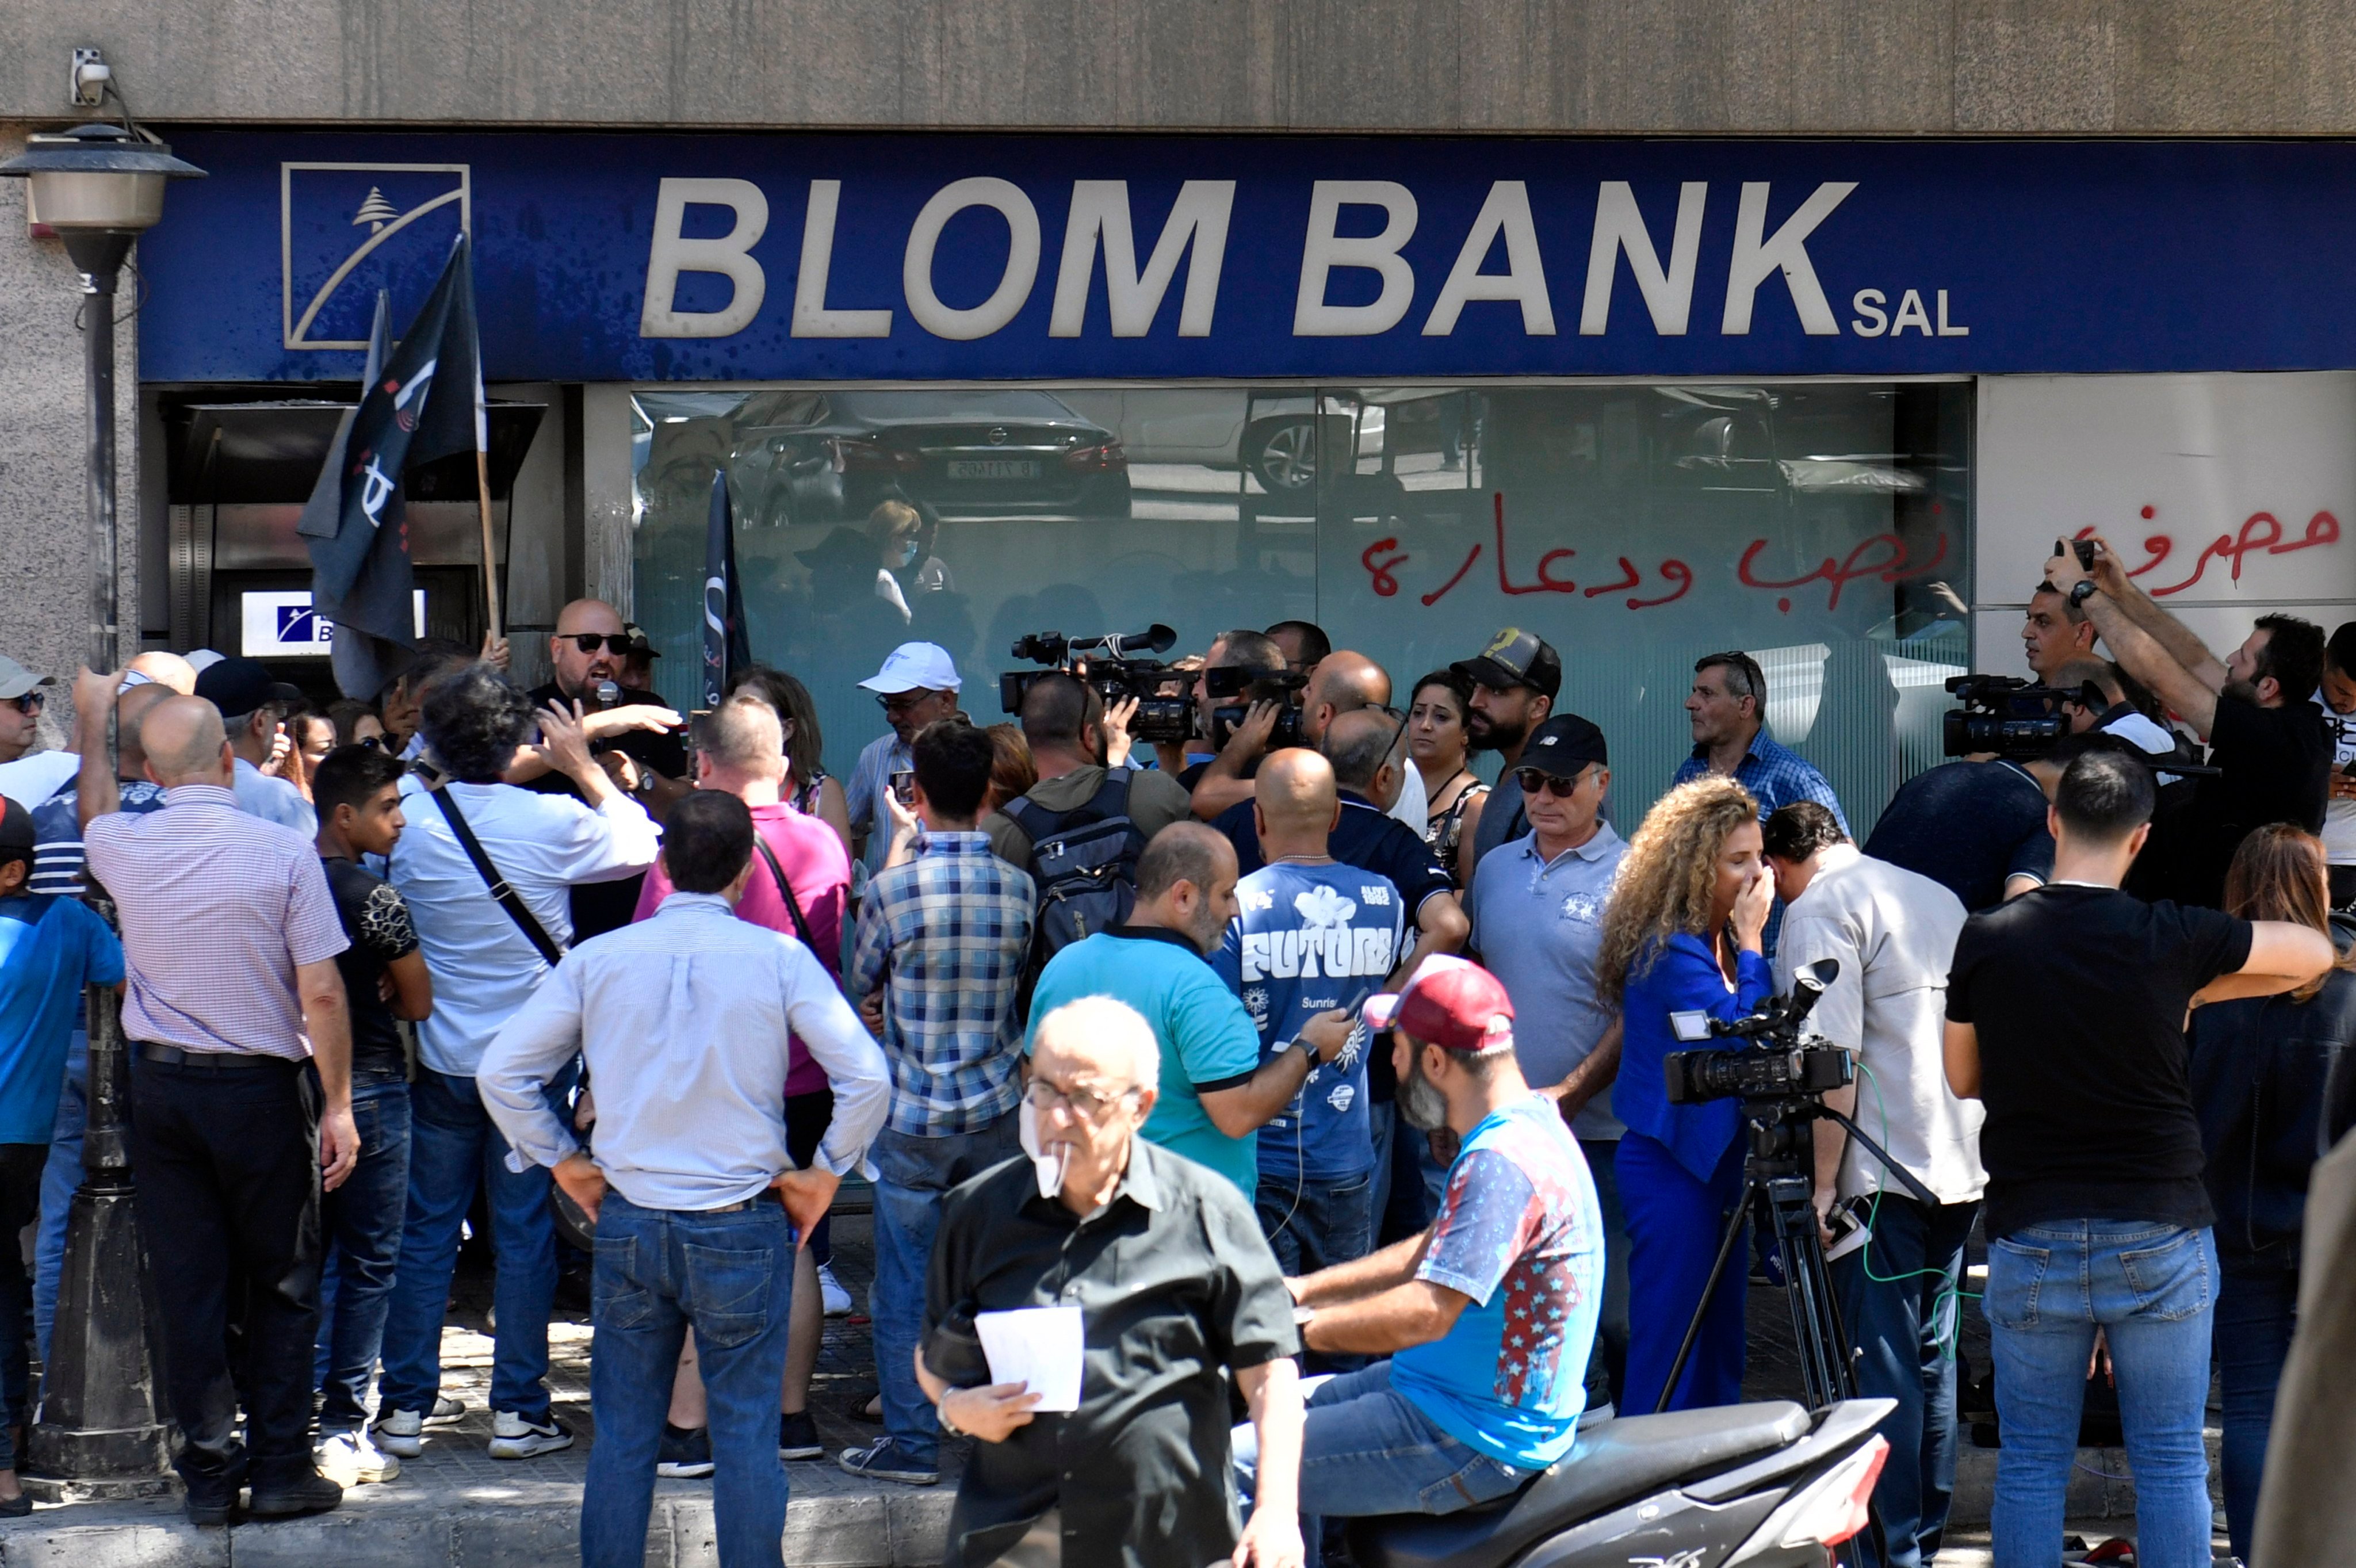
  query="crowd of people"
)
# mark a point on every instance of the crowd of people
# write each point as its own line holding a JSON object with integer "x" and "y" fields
{"x": 1323, "y": 1080}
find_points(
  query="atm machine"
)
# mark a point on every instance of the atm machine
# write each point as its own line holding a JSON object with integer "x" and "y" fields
{"x": 238, "y": 474}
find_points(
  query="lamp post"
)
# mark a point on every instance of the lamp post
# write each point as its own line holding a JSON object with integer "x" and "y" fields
{"x": 102, "y": 1430}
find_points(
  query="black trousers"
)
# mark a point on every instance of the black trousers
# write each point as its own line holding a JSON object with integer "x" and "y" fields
{"x": 20, "y": 1199}
{"x": 229, "y": 1199}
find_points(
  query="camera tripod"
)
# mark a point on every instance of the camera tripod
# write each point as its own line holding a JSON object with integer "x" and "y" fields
{"x": 1779, "y": 1182}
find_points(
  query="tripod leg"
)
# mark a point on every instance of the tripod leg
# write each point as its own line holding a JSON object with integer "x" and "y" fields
{"x": 1734, "y": 1222}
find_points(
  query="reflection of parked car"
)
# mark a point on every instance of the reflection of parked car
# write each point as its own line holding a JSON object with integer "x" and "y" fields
{"x": 1275, "y": 436}
{"x": 817, "y": 458}
{"x": 1728, "y": 439}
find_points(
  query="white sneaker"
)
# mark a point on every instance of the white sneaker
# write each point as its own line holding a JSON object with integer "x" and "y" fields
{"x": 403, "y": 1432}
{"x": 350, "y": 1459}
{"x": 513, "y": 1437}
{"x": 831, "y": 1291}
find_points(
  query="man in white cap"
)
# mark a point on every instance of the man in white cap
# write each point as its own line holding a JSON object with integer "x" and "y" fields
{"x": 917, "y": 684}
{"x": 27, "y": 773}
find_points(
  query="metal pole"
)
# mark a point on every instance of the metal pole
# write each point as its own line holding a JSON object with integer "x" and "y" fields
{"x": 98, "y": 254}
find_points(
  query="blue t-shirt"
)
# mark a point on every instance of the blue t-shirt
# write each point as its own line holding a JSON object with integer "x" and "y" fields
{"x": 1518, "y": 1231}
{"x": 1309, "y": 938}
{"x": 1206, "y": 1038}
{"x": 49, "y": 949}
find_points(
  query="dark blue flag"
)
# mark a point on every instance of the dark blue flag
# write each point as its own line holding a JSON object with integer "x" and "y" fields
{"x": 727, "y": 645}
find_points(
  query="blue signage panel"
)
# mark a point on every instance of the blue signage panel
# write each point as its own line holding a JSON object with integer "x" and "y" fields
{"x": 688, "y": 257}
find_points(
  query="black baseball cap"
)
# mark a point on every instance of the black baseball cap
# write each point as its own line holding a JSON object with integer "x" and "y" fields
{"x": 1563, "y": 744}
{"x": 1514, "y": 658}
{"x": 16, "y": 826}
{"x": 640, "y": 641}
{"x": 239, "y": 686}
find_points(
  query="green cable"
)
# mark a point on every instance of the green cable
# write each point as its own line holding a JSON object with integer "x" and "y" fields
{"x": 1950, "y": 1340}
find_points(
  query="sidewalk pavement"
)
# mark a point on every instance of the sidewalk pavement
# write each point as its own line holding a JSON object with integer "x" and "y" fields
{"x": 456, "y": 1506}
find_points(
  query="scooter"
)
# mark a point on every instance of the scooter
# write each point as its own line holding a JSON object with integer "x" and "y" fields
{"x": 1760, "y": 1486}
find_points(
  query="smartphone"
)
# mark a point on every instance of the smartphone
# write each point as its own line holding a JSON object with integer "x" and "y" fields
{"x": 1849, "y": 1232}
{"x": 2082, "y": 548}
{"x": 904, "y": 786}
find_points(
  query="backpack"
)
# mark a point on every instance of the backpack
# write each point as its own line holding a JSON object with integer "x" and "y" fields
{"x": 1083, "y": 864}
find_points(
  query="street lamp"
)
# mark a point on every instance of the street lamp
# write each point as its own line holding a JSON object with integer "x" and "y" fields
{"x": 102, "y": 1430}
{"x": 99, "y": 186}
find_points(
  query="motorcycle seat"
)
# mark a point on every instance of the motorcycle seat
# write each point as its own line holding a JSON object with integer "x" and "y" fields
{"x": 1615, "y": 1461}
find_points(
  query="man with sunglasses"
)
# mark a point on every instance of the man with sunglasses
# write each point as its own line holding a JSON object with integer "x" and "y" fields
{"x": 637, "y": 739}
{"x": 917, "y": 684}
{"x": 27, "y": 774}
{"x": 1538, "y": 925}
{"x": 1514, "y": 682}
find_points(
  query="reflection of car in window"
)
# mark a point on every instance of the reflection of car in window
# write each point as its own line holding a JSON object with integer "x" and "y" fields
{"x": 826, "y": 457}
{"x": 1743, "y": 439}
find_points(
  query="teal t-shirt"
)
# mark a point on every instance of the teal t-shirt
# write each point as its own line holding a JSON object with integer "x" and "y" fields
{"x": 1207, "y": 1041}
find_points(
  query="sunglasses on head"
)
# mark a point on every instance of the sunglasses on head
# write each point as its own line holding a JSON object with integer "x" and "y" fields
{"x": 1537, "y": 782}
{"x": 616, "y": 643}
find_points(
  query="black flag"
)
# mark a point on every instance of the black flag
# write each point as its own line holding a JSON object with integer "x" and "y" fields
{"x": 424, "y": 402}
{"x": 726, "y": 646}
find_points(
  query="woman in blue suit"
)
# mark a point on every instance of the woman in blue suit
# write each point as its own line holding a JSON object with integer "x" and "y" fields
{"x": 1683, "y": 934}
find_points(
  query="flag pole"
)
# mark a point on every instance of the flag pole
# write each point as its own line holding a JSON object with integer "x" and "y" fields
{"x": 490, "y": 570}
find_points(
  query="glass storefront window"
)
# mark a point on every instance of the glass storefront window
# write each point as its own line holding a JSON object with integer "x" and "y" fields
{"x": 1825, "y": 526}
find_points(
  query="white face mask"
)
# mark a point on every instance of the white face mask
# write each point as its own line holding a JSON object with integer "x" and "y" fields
{"x": 1050, "y": 1169}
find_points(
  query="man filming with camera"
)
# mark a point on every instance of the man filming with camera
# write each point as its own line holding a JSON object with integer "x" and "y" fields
{"x": 2265, "y": 734}
{"x": 2066, "y": 1010}
{"x": 1893, "y": 934}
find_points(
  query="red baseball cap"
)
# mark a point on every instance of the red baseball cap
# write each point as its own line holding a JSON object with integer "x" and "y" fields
{"x": 1448, "y": 1002}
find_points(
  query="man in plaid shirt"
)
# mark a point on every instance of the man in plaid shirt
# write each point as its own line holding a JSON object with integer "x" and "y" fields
{"x": 942, "y": 942}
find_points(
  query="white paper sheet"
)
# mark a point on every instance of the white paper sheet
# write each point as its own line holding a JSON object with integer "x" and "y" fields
{"x": 1039, "y": 1347}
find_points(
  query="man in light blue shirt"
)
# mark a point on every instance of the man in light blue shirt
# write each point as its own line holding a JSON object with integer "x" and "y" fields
{"x": 1538, "y": 925}
{"x": 684, "y": 1021}
{"x": 253, "y": 707}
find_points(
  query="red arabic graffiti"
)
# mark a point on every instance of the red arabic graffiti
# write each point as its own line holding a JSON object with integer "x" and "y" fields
{"x": 2261, "y": 531}
{"x": 1673, "y": 571}
{"x": 1893, "y": 564}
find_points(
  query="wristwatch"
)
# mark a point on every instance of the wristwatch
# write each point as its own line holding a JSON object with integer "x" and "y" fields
{"x": 2083, "y": 589}
{"x": 1310, "y": 1052}
{"x": 941, "y": 1414}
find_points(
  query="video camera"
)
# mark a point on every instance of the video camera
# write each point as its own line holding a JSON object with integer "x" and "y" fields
{"x": 1789, "y": 1066}
{"x": 1230, "y": 688}
{"x": 2018, "y": 720}
{"x": 1106, "y": 663}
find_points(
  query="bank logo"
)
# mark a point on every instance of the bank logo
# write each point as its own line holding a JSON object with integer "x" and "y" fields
{"x": 346, "y": 230}
{"x": 281, "y": 624}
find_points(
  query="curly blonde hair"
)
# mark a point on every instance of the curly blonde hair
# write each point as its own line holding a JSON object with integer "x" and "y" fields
{"x": 1665, "y": 884}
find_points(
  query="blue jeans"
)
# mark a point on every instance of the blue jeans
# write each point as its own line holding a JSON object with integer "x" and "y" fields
{"x": 912, "y": 1175}
{"x": 362, "y": 1221}
{"x": 452, "y": 1146}
{"x": 1893, "y": 1301}
{"x": 2153, "y": 1288}
{"x": 2257, "y": 1305}
{"x": 60, "y": 1178}
{"x": 731, "y": 1277}
{"x": 1367, "y": 1450}
{"x": 1315, "y": 1223}
{"x": 1674, "y": 1225}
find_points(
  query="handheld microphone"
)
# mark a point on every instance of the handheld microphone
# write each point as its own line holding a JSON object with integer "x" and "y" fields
{"x": 608, "y": 694}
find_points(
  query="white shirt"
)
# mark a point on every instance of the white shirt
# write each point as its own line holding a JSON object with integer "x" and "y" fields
{"x": 1413, "y": 804}
{"x": 484, "y": 967}
{"x": 683, "y": 1019}
{"x": 1893, "y": 934}
{"x": 273, "y": 799}
{"x": 29, "y": 781}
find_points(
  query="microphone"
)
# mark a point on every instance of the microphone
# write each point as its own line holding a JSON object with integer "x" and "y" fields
{"x": 608, "y": 694}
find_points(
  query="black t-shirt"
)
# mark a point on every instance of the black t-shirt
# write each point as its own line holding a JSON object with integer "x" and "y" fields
{"x": 2275, "y": 766}
{"x": 2078, "y": 994}
{"x": 601, "y": 906}
{"x": 376, "y": 919}
{"x": 1967, "y": 826}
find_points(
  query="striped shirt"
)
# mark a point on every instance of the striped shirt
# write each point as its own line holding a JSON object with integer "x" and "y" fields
{"x": 57, "y": 833}
{"x": 946, "y": 936}
{"x": 218, "y": 908}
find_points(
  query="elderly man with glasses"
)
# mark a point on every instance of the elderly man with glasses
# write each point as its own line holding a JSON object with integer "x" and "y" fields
{"x": 1538, "y": 925}
{"x": 1163, "y": 1263}
{"x": 917, "y": 684}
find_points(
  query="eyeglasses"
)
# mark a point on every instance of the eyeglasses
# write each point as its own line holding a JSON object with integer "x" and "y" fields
{"x": 900, "y": 701}
{"x": 31, "y": 702}
{"x": 376, "y": 742}
{"x": 1087, "y": 1104}
{"x": 616, "y": 643}
{"x": 1534, "y": 781}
